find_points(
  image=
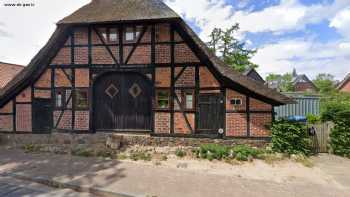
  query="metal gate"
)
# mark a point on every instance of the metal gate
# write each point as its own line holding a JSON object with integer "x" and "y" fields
{"x": 321, "y": 138}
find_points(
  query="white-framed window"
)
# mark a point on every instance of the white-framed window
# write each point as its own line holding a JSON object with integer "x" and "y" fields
{"x": 82, "y": 98}
{"x": 59, "y": 98}
{"x": 163, "y": 99}
{"x": 129, "y": 34}
{"x": 113, "y": 35}
{"x": 189, "y": 100}
{"x": 104, "y": 34}
{"x": 132, "y": 33}
{"x": 236, "y": 101}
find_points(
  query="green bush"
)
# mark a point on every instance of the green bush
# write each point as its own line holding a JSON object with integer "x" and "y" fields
{"x": 180, "y": 153}
{"x": 213, "y": 151}
{"x": 313, "y": 119}
{"x": 219, "y": 152}
{"x": 244, "y": 152}
{"x": 340, "y": 135}
{"x": 333, "y": 104}
{"x": 290, "y": 137}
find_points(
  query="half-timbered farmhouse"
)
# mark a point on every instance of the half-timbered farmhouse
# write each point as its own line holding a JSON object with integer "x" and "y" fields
{"x": 133, "y": 66}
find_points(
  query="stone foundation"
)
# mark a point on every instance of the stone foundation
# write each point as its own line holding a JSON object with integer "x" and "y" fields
{"x": 64, "y": 143}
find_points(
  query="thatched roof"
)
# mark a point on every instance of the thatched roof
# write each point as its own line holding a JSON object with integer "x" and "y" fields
{"x": 108, "y": 11}
{"x": 120, "y": 10}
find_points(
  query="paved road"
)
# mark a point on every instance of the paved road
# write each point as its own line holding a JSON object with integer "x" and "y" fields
{"x": 10, "y": 187}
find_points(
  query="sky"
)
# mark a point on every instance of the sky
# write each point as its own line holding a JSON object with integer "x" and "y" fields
{"x": 312, "y": 36}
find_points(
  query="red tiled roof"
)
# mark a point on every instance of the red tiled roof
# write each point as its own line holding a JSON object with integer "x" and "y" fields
{"x": 344, "y": 82}
{"x": 8, "y": 72}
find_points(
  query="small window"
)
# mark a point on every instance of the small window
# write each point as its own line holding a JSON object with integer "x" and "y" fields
{"x": 163, "y": 99}
{"x": 104, "y": 34}
{"x": 236, "y": 101}
{"x": 113, "y": 35}
{"x": 138, "y": 31}
{"x": 129, "y": 34}
{"x": 82, "y": 98}
{"x": 59, "y": 98}
{"x": 189, "y": 100}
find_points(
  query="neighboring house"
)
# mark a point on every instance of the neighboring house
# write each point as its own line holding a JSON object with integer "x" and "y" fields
{"x": 275, "y": 85}
{"x": 8, "y": 72}
{"x": 133, "y": 66}
{"x": 344, "y": 86}
{"x": 301, "y": 83}
{"x": 253, "y": 74}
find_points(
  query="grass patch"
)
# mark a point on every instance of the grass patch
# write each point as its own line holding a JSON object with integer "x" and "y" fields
{"x": 180, "y": 153}
{"x": 300, "y": 158}
{"x": 220, "y": 152}
{"x": 31, "y": 148}
{"x": 140, "y": 155}
{"x": 82, "y": 152}
{"x": 121, "y": 156}
{"x": 105, "y": 153}
{"x": 164, "y": 158}
{"x": 271, "y": 158}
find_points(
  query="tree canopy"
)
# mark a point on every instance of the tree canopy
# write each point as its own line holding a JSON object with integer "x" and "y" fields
{"x": 231, "y": 50}
{"x": 284, "y": 82}
{"x": 325, "y": 83}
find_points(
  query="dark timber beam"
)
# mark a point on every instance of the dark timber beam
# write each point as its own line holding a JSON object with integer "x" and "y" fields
{"x": 121, "y": 43}
{"x": 196, "y": 97}
{"x": 144, "y": 29}
{"x": 72, "y": 80}
{"x": 248, "y": 115}
{"x": 184, "y": 113}
{"x": 172, "y": 87}
{"x": 153, "y": 61}
{"x": 180, "y": 73}
{"x": 106, "y": 46}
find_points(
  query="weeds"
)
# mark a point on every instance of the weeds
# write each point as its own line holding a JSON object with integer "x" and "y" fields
{"x": 300, "y": 158}
{"x": 31, "y": 148}
{"x": 140, "y": 155}
{"x": 122, "y": 156}
{"x": 82, "y": 152}
{"x": 180, "y": 153}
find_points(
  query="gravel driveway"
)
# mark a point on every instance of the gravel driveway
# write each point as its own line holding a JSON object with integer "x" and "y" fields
{"x": 148, "y": 179}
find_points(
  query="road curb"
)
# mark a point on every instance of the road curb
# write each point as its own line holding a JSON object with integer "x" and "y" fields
{"x": 60, "y": 185}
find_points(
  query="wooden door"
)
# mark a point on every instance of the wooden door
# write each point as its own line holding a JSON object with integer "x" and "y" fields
{"x": 42, "y": 115}
{"x": 210, "y": 113}
{"x": 123, "y": 102}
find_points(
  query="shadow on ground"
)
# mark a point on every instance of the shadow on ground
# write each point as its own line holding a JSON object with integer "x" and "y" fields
{"x": 62, "y": 168}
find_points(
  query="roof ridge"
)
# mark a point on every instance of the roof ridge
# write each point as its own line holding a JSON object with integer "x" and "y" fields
{"x": 105, "y": 11}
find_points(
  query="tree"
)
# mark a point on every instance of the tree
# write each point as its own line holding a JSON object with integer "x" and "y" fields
{"x": 325, "y": 83}
{"x": 284, "y": 81}
{"x": 231, "y": 50}
{"x": 215, "y": 37}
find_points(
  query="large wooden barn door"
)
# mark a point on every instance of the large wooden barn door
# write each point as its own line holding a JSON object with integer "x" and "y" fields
{"x": 123, "y": 102}
{"x": 210, "y": 112}
{"x": 42, "y": 115}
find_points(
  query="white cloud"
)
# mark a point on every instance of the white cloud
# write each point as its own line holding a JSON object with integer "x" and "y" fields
{"x": 307, "y": 56}
{"x": 27, "y": 29}
{"x": 341, "y": 22}
{"x": 289, "y": 15}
